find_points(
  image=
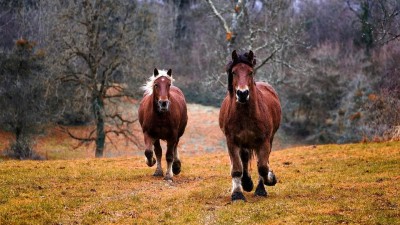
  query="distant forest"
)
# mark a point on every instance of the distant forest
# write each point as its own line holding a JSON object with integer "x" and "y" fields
{"x": 334, "y": 63}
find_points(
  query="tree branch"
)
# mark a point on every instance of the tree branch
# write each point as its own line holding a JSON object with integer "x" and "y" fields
{"x": 268, "y": 58}
{"x": 218, "y": 15}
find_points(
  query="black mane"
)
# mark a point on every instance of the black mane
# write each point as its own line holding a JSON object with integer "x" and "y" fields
{"x": 242, "y": 58}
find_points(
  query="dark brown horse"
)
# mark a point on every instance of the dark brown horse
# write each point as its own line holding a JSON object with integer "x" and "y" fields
{"x": 249, "y": 117}
{"x": 163, "y": 115}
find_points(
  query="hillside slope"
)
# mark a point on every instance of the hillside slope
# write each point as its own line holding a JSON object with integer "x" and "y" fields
{"x": 356, "y": 184}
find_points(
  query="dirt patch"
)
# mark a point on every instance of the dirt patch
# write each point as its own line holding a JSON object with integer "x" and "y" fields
{"x": 202, "y": 135}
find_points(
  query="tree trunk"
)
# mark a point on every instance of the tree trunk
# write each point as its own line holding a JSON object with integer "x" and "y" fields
{"x": 183, "y": 31}
{"x": 367, "y": 37}
{"x": 98, "y": 107}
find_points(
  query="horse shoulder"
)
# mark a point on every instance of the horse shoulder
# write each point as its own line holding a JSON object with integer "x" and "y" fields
{"x": 145, "y": 111}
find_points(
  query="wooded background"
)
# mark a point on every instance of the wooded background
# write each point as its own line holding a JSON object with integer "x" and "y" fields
{"x": 334, "y": 63}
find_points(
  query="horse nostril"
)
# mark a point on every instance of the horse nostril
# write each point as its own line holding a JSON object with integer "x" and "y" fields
{"x": 242, "y": 93}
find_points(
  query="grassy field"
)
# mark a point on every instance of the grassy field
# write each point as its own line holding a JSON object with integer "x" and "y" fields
{"x": 331, "y": 184}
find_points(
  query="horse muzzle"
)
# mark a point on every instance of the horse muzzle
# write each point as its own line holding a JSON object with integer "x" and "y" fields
{"x": 242, "y": 96}
{"x": 163, "y": 105}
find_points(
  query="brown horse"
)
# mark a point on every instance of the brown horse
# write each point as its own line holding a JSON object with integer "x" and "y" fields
{"x": 249, "y": 117}
{"x": 163, "y": 115}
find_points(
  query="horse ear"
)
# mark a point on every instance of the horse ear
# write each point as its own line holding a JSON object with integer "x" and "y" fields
{"x": 169, "y": 72}
{"x": 234, "y": 55}
{"x": 155, "y": 72}
{"x": 251, "y": 58}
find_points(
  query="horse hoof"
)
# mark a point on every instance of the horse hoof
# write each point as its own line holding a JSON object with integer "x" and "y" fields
{"x": 158, "y": 173}
{"x": 176, "y": 167}
{"x": 238, "y": 196}
{"x": 168, "y": 178}
{"x": 151, "y": 162}
{"x": 260, "y": 190}
{"x": 271, "y": 179}
{"x": 247, "y": 183}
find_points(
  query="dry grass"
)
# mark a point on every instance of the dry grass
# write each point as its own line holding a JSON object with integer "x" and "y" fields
{"x": 351, "y": 184}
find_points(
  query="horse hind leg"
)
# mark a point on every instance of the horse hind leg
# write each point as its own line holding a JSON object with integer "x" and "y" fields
{"x": 266, "y": 176}
{"x": 260, "y": 189}
{"x": 270, "y": 181}
{"x": 158, "y": 152}
{"x": 247, "y": 182}
{"x": 176, "y": 165}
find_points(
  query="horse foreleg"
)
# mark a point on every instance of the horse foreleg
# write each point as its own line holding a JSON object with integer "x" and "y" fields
{"x": 148, "y": 141}
{"x": 236, "y": 172}
{"x": 176, "y": 166}
{"x": 247, "y": 183}
{"x": 266, "y": 176}
{"x": 158, "y": 152}
{"x": 169, "y": 156}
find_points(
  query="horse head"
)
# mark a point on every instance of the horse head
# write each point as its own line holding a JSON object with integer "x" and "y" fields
{"x": 240, "y": 75}
{"x": 161, "y": 85}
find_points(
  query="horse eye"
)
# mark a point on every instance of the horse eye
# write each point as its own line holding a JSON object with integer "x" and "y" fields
{"x": 251, "y": 73}
{"x": 156, "y": 85}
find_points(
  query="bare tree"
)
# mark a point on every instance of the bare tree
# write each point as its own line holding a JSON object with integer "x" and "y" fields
{"x": 94, "y": 41}
{"x": 266, "y": 27}
{"x": 379, "y": 21}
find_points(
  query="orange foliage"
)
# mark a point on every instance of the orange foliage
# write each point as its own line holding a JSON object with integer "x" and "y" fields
{"x": 355, "y": 116}
{"x": 228, "y": 36}
{"x": 373, "y": 97}
{"x": 21, "y": 42}
{"x": 237, "y": 9}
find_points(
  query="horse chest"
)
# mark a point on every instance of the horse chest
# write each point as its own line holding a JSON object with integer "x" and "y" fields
{"x": 248, "y": 135}
{"x": 161, "y": 128}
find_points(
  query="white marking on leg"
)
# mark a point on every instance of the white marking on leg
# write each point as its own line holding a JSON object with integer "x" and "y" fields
{"x": 176, "y": 155}
{"x": 270, "y": 176}
{"x": 159, "y": 168}
{"x": 169, "y": 173}
{"x": 237, "y": 184}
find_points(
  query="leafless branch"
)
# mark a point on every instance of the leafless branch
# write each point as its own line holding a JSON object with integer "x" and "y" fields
{"x": 219, "y": 16}
{"x": 264, "y": 61}
{"x": 81, "y": 139}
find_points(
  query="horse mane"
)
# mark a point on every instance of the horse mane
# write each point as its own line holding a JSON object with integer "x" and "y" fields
{"x": 148, "y": 87}
{"x": 242, "y": 58}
